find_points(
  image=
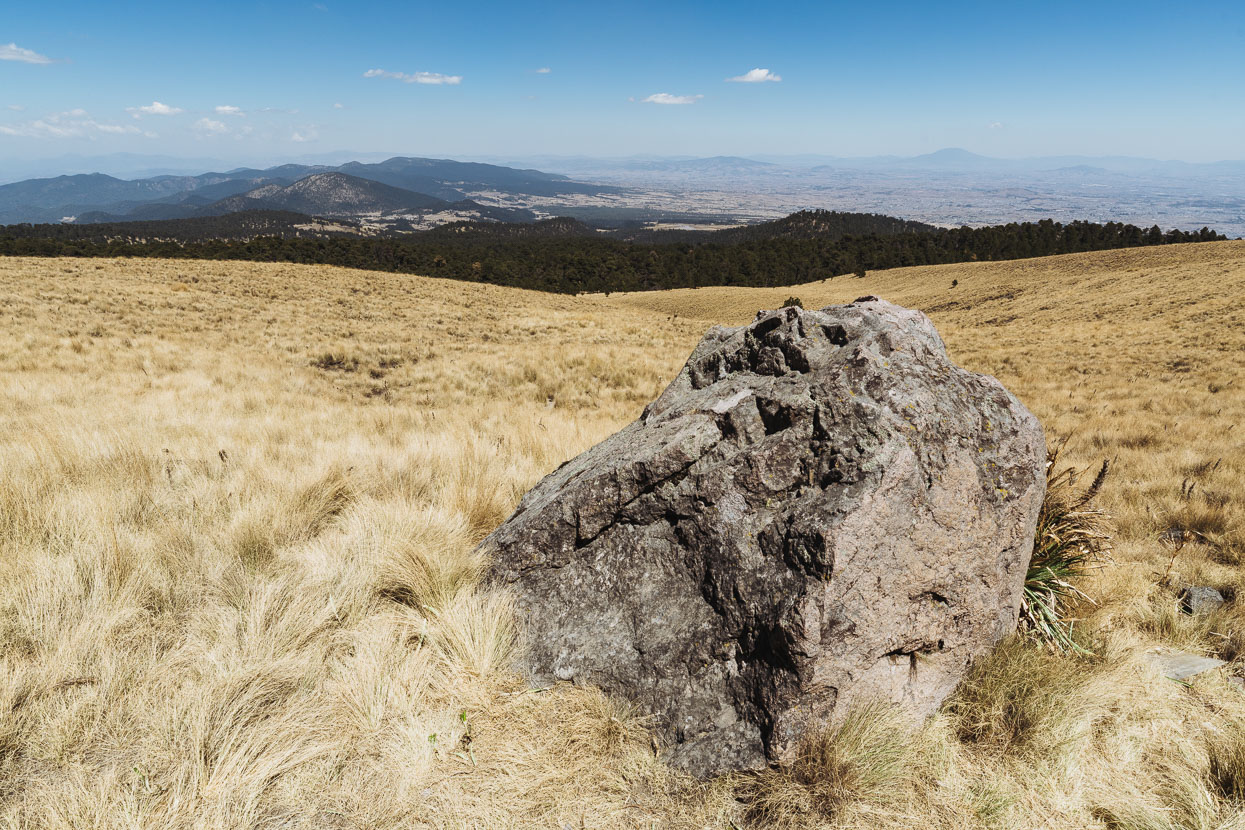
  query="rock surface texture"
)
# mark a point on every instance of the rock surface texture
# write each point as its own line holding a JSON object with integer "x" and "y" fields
{"x": 1201, "y": 599}
{"x": 820, "y": 509}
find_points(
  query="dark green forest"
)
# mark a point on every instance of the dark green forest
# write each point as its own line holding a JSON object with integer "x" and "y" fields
{"x": 565, "y": 256}
{"x": 240, "y": 225}
{"x": 807, "y": 224}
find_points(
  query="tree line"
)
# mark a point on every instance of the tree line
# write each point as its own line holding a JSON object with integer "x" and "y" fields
{"x": 578, "y": 262}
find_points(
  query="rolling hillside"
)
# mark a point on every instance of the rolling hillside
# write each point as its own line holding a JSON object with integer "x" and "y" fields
{"x": 239, "y": 503}
{"x": 330, "y": 194}
{"x": 105, "y": 198}
{"x": 334, "y": 195}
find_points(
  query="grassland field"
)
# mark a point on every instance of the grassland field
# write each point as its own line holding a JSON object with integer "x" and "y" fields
{"x": 239, "y": 502}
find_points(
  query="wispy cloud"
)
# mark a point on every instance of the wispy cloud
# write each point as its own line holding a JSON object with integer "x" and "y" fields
{"x": 207, "y": 126}
{"x": 996, "y": 125}
{"x": 304, "y": 134}
{"x": 13, "y": 52}
{"x": 755, "y": 76}
{"x": 72, "y": 124}
{"x": 544, "y": 70}
{"x": 154, "y": 108}
{"x": 17, "y": 108}
{"x": 37, "y": 129}
{"x": 667, "y": 98}
{"x": 338, "y": 105}
{"x": 415, "y": 78}
{"x": 226, "y": 109}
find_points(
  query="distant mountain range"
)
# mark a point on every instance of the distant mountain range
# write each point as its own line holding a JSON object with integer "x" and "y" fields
{"x": 640, "y": 194}
{"x": 336, "y": 195}
{"x": 396, "y": 186}
{"x": 951, "y": 160}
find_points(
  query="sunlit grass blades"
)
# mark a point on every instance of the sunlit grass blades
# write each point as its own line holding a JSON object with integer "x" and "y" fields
{"x": 861, "y": 759}
{"x": 289, "y": 632}
{"x": 1072, "y": 537}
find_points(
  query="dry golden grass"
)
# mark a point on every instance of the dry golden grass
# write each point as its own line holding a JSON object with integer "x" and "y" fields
{"x": 238, "y": 504}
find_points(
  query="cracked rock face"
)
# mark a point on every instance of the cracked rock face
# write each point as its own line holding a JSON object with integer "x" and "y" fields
{"x": 820, "y": 509}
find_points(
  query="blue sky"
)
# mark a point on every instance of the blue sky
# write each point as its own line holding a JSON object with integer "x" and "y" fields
{"x": 242, "y": 80}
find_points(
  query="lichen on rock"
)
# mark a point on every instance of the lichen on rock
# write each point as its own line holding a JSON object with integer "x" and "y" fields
{"x": 820, "y": 509}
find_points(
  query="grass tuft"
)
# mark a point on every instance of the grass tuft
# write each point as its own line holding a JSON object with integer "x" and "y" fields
{"x": 860, "y": 760}
{"x": 336, "y": 362}
{"x": 1226, "y": 749}
{"x": 1020, "y": 697}
{"x": 1072, "y": 537}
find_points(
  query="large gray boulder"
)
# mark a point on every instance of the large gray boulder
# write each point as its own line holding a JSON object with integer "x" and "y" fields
{"x": 820, "y": 509}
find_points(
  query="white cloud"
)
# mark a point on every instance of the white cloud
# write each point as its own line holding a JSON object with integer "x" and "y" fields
{"x": 154, "y": 108}
{"x": 303, "y": 134}
{"x": 996, "y": 125}
{"x": 13, "y": 52}
{"x": 116, "y": 129}
{"x": 230, "y": 110}
{"x": 415, "y": 78}
{"x": 17, "y": 108}
{"x": 72, "y": 124}
{"x": 339, "y": 105}
{"x": 38, "y": 129}
{"x": 209, "y": 127}
{"x": 755, "y": 76}
{"x": 544, "y": 70}
{"x": 667, "y": 98}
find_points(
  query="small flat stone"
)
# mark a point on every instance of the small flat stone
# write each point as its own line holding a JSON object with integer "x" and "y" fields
{"x": 1180, "y": 665}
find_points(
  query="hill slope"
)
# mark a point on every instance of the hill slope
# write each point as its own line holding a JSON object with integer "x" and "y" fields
{"x": 334, "y": 195}
{"x": 50, "y": 199}
{"x": 1127, "y": 284}
{"x": 330, "y": 194}
{"x": 239, "y": 501}
{"x": 447, "y": 178}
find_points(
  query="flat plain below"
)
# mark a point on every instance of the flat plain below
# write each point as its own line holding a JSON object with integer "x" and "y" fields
{"x": 238, "y": 504}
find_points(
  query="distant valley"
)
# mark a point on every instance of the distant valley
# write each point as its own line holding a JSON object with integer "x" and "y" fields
{"x": 948, "y": 188}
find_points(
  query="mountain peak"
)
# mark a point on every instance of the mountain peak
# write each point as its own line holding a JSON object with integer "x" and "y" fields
{"x": 334, "y": 193}
{"x": 952, "y": 155}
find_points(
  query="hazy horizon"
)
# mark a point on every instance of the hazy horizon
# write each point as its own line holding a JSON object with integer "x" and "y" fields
{"x": 125, "y": 163}
{"x": 293, "y": 79}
